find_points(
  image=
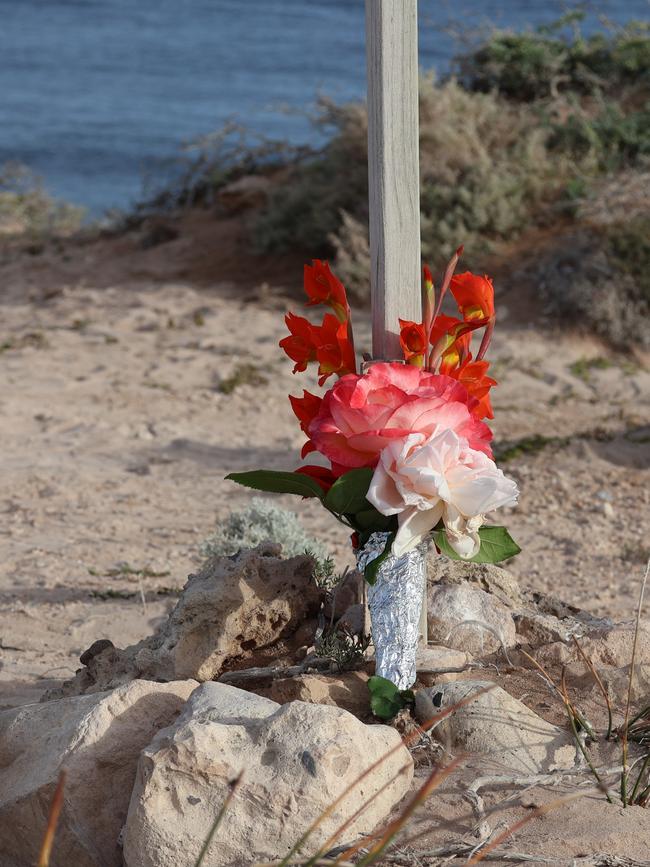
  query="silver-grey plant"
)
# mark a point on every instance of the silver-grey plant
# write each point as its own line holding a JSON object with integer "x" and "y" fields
{"x": 261, "y": 521}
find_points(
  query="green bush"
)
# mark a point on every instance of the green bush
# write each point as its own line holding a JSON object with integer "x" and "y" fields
{"x": 629, "y": 251}
{"x": 483, "y": 164}
{"x": 306, "y": 209}
{"x": 606, "y": 142}
{"x": 544, "y": 63}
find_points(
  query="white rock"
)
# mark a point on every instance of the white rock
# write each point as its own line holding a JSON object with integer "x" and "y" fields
{"x": 348, "y": 689}
{"x": 233, "y": 610}
{"x": 486, "y": 576}
{"x": 465, "y": 618}
{"x": 296, "y": 759}
{"x": 497, "y": 726}
{"x": 435, "y": 661}
{"x": 98, "y": 739}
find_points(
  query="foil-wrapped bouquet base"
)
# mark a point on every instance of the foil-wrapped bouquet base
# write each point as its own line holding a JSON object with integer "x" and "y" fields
{"x": 395, "y": 603}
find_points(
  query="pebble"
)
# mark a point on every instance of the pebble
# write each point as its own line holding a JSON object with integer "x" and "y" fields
{"x": 608, "y": 510}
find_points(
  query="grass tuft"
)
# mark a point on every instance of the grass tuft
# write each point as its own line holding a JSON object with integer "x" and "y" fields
{"x": 243, "y": 374}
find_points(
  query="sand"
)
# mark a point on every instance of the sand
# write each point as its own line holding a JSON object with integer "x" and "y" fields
{"x": 116, "y": 438}
{"x": 117, "y": 433}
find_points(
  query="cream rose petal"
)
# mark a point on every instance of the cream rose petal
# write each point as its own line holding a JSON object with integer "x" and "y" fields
{"x": 461, "y": 533}
{"x": 442, "y": 477}
{"x": 414, "y": 526}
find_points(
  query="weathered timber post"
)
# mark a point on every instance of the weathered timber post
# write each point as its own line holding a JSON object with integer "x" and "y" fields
{"x": 393, "y": 169}
{"x": 394, "y": 176}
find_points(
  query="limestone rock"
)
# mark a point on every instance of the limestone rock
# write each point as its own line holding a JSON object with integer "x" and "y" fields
{"x": 486, "y": 576}
{"x": 497, "y": 726}
{"x": 296, "y": 759}
{"x": 539, "y": 629}
{"x": 345, "y": 595}
{"x": 348, "y": 690}
{"x": 617, "y": 682}
{"x": 464, "y": 617}
{"x": 236, "y": 612}
{"x": 544, "y": 619}
{"x": 612, "y": 647}
{"x": 432, "y": 663}
{"x": 98, "y": 738}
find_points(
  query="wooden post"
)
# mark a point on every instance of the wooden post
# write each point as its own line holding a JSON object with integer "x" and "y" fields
{"x": 393, "y": 169}
{"x": 394, "y": 176}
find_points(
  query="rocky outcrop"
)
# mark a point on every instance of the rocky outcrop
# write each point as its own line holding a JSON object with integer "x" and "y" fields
{"x": 463, "y": 617}
{"x": 296, "y": 759}
{"x": 485, "y": 576}
{"x": 237, "y": 611}
{"x": 497, "y": 726}
{"x": 98, "y": 739}
{"x": 348, "y": 690}
{"x": 460, "y": 591}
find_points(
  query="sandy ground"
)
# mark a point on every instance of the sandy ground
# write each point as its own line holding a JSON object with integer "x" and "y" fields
{"x": 116, "y": 437}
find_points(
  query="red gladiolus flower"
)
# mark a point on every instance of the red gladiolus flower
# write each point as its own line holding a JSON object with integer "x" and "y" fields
{"x": 323, "y": 287}
{"x": 413, "y": 340}
{"x": 444, "y": 325}
{"x": 472, "y": 374}
{"x": 306, "y": 409}
{"x": 335, "y": 352}
{"x": 328, "y": 344}
{"x": 474, "y": 296}
{"x": 323, "y": 475}
{"x": 302, "y": 342}
{"x": 451, "y": 338}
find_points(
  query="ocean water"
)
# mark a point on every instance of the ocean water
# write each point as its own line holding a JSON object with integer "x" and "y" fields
{"x": 95, "y": 94}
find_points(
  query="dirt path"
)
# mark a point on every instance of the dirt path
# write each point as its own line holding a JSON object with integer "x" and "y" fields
{"x": 116, "y": 433}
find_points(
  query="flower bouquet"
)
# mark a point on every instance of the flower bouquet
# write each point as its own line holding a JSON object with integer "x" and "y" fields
{"x": 407, "y": 453}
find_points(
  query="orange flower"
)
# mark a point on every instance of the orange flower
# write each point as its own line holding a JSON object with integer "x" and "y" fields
{"x": 472, "y": 374}
{"x": 328, "y": 344}
{"x": 474, "y": 296}
{"x": 413, "y": 340}
{"x": 335, "y": 350}
{"x": 451, "y": 339}
{"x": 302, "y": 342}
{"x": 322, "y": 287}
{"x": 445, "y": 325}
{"x": 306, "y": 409}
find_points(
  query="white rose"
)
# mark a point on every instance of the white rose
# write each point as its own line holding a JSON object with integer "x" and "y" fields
{"x": 422, "y": 481}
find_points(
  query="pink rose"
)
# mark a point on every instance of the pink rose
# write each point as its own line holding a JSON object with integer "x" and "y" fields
{"x": 361, "y": 415}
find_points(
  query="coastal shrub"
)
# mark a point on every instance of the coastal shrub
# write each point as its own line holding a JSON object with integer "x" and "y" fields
{"x": 596, "y": 279}
{"x": 261, "y": 521}
{"x": 206, "y": 164}
{"x": 556, "y": 58}
{"x": 607, "y": 141}
{"x": 27, "y": 209}
{"x": 484, "y": 163}
{"x": 531, "y": 127}
{"x": 306, "y": 208}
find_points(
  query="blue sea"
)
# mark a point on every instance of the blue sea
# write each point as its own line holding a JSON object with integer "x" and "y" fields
{"x": 96, "y": 94}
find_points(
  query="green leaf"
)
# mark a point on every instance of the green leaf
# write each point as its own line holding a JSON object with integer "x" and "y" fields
{"x": 496, "y": 545}
{"x": 348, "y": 493}
{"x": 386, "y": 699}
{"x": 370, "y": 572}
{"x": 278, "y": 482}
{"x": 371, "y": 519}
